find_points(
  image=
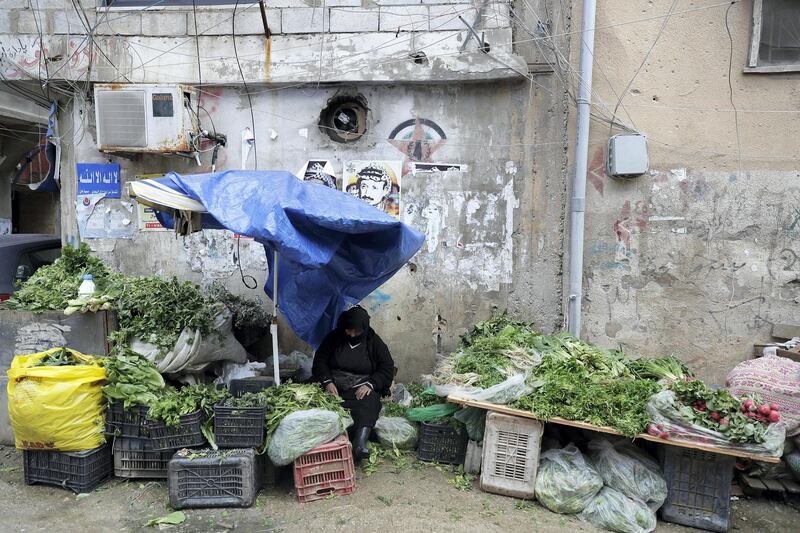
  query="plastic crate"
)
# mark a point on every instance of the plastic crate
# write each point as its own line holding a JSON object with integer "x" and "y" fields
{"x": 208, "y": 478}
{"x": 255, "y": 384}
{"x": 126, "y": 423}
{"x": 239, "y": 427}
{"x": 78, "y": 471}
{"x": 698, "y": 488}
{"x": 325, "y": 470}
{"x": 184, "y": 435}
{"x": 136, "y": 458}
{"x": 511, "y": 447}
{"x": 442, "y": 444}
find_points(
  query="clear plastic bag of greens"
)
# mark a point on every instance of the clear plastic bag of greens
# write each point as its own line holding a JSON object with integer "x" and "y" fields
{"x": 302, "y": 431}
{"x": 629, "y": 470}
{"x": 431, "y": 412}
{"x": 503, "y": 393}
{"x": 565, "y": 481}
{"x": 474, "y": 419}
{"x": 614, "y": 511}
{"x": 396, "y": 432}
{"x": 664, "y": 410}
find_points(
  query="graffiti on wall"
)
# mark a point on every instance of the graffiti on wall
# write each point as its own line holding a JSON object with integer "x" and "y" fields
{"x": 417, "y": 139}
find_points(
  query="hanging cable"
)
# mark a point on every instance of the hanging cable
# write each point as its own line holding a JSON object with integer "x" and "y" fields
{"x": 730, "y": 89}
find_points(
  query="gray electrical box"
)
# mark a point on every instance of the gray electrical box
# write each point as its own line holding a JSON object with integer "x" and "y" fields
{"x": 627, "y": 156}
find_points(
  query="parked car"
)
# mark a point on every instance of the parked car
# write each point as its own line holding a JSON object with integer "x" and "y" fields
{"x": 21, "y": 255}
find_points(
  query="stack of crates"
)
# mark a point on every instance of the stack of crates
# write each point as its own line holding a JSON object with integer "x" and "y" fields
{"x": 325, "y": 471}
{"x": 511, "y": 446}
{"x": 442, "y": 443}
{"x": 78, "y": 471}
{"x": 142, "y": 448}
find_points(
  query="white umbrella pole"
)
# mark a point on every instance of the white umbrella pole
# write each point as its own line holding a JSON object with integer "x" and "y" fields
{"x": 273, "y": 328}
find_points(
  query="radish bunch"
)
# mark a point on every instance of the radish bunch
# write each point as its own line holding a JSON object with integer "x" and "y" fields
{"x": 764, "y": 413}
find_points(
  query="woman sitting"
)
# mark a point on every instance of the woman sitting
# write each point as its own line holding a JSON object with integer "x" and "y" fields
{"x": 354, "y": 363}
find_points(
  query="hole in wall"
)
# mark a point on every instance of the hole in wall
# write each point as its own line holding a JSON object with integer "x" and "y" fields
{"x": 344, "y": 119}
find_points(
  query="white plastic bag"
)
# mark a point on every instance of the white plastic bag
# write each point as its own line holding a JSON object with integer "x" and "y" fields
{"x": 231, "y": 371}
{"x": 565, "y": 481}
{"x": 302, "y": 431}
{"x": 614, "y": 511}
{"x": 192, "y": 351}
{"x": 629, "y": 470}
{"x": 401, "y": 396}
{"x": 396, "y": 431}
{"x": 503, "y": 393}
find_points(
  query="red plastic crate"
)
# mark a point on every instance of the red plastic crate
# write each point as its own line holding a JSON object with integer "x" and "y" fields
{"x": 325, "y": 470}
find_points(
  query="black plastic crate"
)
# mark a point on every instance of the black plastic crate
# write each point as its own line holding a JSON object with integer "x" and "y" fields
{"x": 442, "y": 443}
{"x": 239, "y": 427}
{"x": 126, "y": 423}
{"x": 254, "y": 384}
{"x": 184, "y": 435}
{"x": 698, "y": 488}
{"x": 208, "y": 478}
{"x": 136, "y": 458}
{"x": 78, "y": 471}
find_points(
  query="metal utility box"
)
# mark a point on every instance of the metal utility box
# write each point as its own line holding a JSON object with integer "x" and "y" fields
{"x": 23, "y": 332}
{"x": 627, "y": 156}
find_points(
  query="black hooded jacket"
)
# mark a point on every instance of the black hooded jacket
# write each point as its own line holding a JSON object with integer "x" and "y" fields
{"x": 380, "y": 360}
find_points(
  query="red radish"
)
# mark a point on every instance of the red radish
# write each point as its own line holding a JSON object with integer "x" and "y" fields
{"x": 724, "y": 422}
{"x": 764, "y": 410}
{"x": 663, "y": 435}
{"x": 702, "y": 408}
{"x": 774, "y": 406}
{"x": 774, "y": 416}
{"x": 715, "y": 415}
{"x": 747, "y": 403}
{"x": 652, "y": 430}
{"x": 660, "y": 427}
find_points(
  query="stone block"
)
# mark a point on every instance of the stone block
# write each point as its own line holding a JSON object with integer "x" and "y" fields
{"x": 27, "y": 23}
{"x": 165, "y": 23}
{"x": 5, "y": 21}
{"x": 68, "y": 22}
{"x": 404, "y": 18}
{"x": 221, "y": 22}
{"x": 305, "y": 20}
{"x": 119, "y": 23}
{"x": 496, "y": 15}
{"x": 354, "y": 20}
{"x": 445, "y": 18}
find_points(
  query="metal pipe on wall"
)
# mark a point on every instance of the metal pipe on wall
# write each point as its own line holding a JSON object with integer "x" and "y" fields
{"x": 578, "y": 197}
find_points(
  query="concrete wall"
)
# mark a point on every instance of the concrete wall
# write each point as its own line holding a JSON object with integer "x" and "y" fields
{"x": 699, "y": 257}
{"x": 494, "y": 232}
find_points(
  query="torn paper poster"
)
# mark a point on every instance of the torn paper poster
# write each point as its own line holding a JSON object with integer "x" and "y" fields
{"x": 5, "y": 226}
{"x": 99, "y": 178}
{"x": 318, "y": 171}
{"x": 437, "y": 167}
{"x": 101, "y": 218}
{"x": 375, "y": 182}
{"x": 148, "y": 220}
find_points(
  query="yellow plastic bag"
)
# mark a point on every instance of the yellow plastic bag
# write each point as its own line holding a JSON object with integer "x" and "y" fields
{"x": 56, "y": 407}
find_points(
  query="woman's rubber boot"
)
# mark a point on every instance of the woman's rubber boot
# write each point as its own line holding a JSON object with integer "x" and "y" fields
{"x": 360, "y": 450}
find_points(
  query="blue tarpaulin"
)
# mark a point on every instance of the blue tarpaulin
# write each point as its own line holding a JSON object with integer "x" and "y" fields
{"x": 333, "y": 249}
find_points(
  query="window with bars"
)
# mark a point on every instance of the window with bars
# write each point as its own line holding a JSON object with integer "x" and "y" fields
{"x": 775, "y": 44}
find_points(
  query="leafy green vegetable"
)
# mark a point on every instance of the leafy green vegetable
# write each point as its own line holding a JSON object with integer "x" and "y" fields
{"x": 158, "y": 309}
{"x": 248, "y": 399}
{"x": 131, "y": 379}
{"x": 178, "y": 517}
{"x": 52, "y": 286}
{"x": 171, "y": 404}
{"x": 391, "y": 408}
{"x": 669, "y": 368}
{"x": 286, "y": 399}
{"x": 61, "y": 357}
{"x": 246, "y": 312}
{"x": 422, "y": 397}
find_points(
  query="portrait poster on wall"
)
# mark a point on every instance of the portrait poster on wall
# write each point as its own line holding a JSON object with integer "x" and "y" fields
{"x": 375, "y": 182}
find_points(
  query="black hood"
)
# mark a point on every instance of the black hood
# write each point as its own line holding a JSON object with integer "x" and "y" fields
{"x": 354, "y": 318}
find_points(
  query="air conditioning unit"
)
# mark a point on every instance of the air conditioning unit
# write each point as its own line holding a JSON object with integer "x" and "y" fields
{"x": 145, "y": 118}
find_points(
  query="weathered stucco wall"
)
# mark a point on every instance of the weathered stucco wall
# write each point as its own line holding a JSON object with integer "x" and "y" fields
{"x": 699, "y": 257}
{"x": 494, "y": 231}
